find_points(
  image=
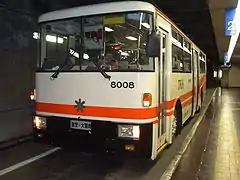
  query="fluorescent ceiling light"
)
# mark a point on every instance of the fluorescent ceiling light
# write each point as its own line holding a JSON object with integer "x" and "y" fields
{"x": 176, "y": 42}
{"x": 49, "y": 38}
{"x": 85, "y": 56}
{"x": 36, "y": 35}
{"x": 74, "y": 53}
{"x": 131, "y": 38}
{"x": 60, "y": 40}
{"x": 220, "y": 73}
{"x": 181, "y": 65}
{"x": 53, "y": 39}
{"x": 215, "y": 74}
{"x": 234, "y": 38}
{"x": 107, "y": 29}
{"x": 124, "y": 53}
{"x": 146, "y": 25}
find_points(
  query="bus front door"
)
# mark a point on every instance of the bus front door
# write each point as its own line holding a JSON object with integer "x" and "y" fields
{"x": 161, "y": 91}
{"x": 195, "y": 81}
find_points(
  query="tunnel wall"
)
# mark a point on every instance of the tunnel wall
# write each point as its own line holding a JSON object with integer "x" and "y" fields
{"x": 225, "y": 79}
{"x": 234, "y": 79}
{"x": 17, "y": 62}
{"x": 18, "y": 55}
{"x": 230, "y": 77}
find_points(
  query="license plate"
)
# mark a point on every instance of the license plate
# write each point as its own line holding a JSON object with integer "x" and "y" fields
{"x": 81, "y": 125}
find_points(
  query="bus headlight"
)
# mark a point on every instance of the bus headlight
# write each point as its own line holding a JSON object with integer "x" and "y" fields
{"x": 129, "y": 131}
{"x": 33, "y": 95}
{"x": 40, "y": 122}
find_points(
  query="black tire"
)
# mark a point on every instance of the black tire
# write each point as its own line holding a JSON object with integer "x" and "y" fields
{"x": 200, "y": 107}
{"x": 178, "y": 116}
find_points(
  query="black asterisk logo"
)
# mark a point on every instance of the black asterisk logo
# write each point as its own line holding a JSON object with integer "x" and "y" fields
{"x": 80, "y": 105}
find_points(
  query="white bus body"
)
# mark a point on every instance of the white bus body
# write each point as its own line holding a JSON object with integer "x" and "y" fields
{"x": 139, "y": 108}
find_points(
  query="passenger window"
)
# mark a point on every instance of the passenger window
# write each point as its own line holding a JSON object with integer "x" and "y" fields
{"x": 202, "y": 67}
{"x": 177, "y": 59}
{"x": 187, "y": 63}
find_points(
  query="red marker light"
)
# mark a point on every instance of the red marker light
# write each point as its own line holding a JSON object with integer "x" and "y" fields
{"x": 117, "y": 47}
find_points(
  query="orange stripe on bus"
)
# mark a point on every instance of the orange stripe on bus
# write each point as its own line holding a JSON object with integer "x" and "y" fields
{"x": 187, "y": 102}
{"x": 170, "y": 104}
{"x": 186, "y": 96}
{"x": 155, "y": 122}
{"x": 123, "y": 113}
{"x": 169, "y": 113}
{"x": 107, "y": 112}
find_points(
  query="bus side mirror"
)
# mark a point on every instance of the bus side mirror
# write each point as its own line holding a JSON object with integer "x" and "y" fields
{"x": 228, "y": 65}
{"x": 153, "y": 45}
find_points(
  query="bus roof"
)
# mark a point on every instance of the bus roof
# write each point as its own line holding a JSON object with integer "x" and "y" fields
{"x": 97, "y": 9}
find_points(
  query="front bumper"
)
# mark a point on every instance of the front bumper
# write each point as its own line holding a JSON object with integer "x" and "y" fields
{"x": 102, "y": 137}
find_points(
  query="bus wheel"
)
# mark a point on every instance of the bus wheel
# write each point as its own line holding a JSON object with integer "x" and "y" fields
{"x": 200, "y": 103}
{"x": 177, "y": 120}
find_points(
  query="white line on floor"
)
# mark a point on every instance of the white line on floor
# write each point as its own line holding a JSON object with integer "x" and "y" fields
{"x": 167, "y": 175}
{"x": 28, "y": 161}
{"x": 231, "y": 109}
{"x": 235, "y": 109}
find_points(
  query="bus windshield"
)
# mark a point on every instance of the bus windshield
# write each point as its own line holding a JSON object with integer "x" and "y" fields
{"x": 115, "y": 41}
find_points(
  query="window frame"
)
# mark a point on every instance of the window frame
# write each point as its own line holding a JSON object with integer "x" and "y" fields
{"x": 184, "y": 48}
{"x": 39, "y": 66}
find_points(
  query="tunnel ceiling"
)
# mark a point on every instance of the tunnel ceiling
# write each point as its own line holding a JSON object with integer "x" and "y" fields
{"x": 217, "y": 11}
{"x": 192, "y": 16}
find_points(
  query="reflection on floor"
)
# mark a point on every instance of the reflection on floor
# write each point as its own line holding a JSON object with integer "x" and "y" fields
{"x": 214, "y": 152}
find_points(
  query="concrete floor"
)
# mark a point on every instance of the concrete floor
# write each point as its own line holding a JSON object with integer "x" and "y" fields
{"x": 213, "y": 153}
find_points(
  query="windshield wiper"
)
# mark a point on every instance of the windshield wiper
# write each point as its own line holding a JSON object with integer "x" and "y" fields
{"x": 56, "y": 73}
{"x": 101, "y": 70}
{"x": 61, "y": 66}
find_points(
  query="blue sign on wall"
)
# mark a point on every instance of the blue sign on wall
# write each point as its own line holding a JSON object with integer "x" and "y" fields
{"x": 230, "y": 25}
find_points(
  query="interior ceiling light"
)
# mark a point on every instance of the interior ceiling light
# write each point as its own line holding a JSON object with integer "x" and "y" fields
{"x": 146, "y": 25}
{"x": 36, "y": 35}
{"x": 54, "y": 39}
{"x": 49, "y": 38}
{"x": 107, "y": 29}
{"x": 234, "y": 38}
{"x": 131, "y": 38}
{"x": 124, "y": 53}
{"x": 85, "y": 56}
{"x": 74, "y": 53}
